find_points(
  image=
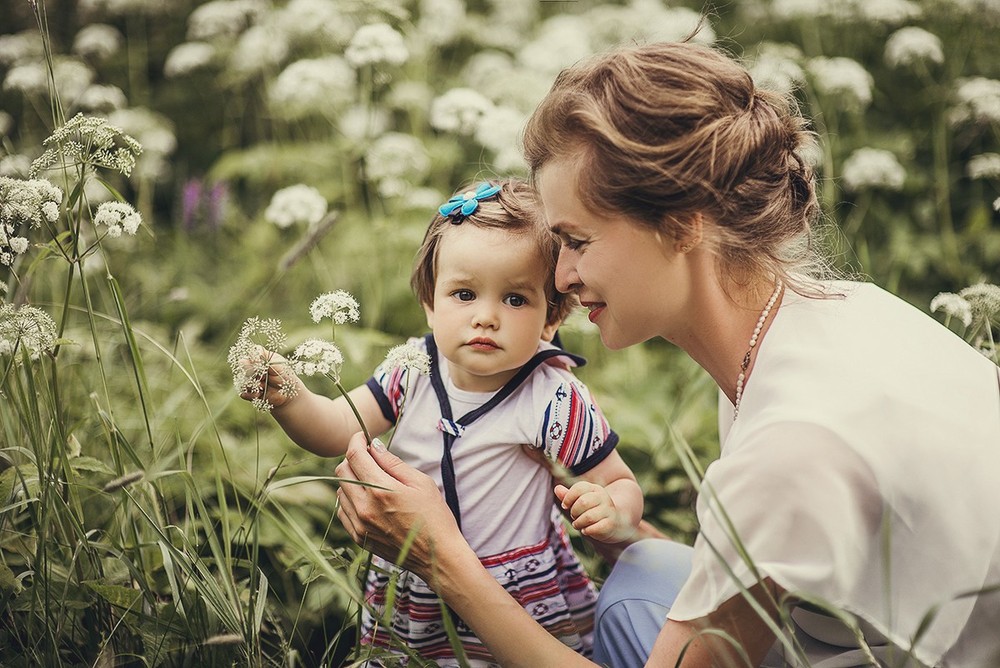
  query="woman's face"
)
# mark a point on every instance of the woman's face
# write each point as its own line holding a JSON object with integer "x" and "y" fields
{"x": 627, "y": 275}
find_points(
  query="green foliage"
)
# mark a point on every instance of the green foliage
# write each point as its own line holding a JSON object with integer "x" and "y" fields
{"x": 147, "y": 515}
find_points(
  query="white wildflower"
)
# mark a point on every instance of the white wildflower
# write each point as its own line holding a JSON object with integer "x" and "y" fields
{"x": 259, "y": 50}
{"x": 872, "y": 168}
{"x": 24, "y": 204}
{"x": 360, "y": 123}
{"x": 16, "y": 165}
{"x": 953, "y": 306}
{"x": 21, "y": 47}
{"x": 888, "y": 12}
{"x": 983, "y": 299}
{"x": 156, "y": 134}
{"x": 31, "y": 78}
{"x": 103, "y": 98}
{"x": 500, "y": 127}
{"x": 97, "y": 40}
{"x": 296, "y": 204}
{"x": 340, "y": 306}
{"x": 984, "y": 166}
{"x": 251, "y": 356}
{"x": 408, "y": 356}
{"x": 791, "y": 10}
{"x": 89, "y": 140}
{"x": 459, "y": 111}
{"x": 25, "y": 329}
{"x": 977, "y": 100}
{"x": 316, "y": 22}
{"x": 911, "y": 45}
{"x": 561, "y": 40}
{"x": 188, "y": 57}
{"x": 27, "y": 78}
{"x": 374, "y": 44}
{"x": 396, "y": 161}
{"x": 777, "y": 68}
{"x": 224, "y": 18}
{"x": 841, "y": 79}
{"x": 118, "y": 217}
{"x": 441, "y": 21}
{"x": 316, "y": 357}
{"x": 311, "y": 86}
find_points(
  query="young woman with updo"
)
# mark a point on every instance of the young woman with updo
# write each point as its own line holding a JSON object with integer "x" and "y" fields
{"x": 851, "y": 517}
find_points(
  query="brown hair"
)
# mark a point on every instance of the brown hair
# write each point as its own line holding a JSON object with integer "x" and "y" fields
{"x": 515, "y": 210}
{"x": 669, "y": 130}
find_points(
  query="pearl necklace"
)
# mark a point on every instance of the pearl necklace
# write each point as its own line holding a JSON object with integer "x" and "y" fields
{"x": 741, "y": 379}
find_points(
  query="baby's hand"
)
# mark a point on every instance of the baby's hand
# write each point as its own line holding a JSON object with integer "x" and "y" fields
{"x": 594, "y": 513}
{"x": 278, "y": 384}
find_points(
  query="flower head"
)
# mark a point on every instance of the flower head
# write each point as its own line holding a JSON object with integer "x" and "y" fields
{"x": 376, "y": 43}
{"x": 250, "y": 364}
{"x": 316, "y": 357}
{"x": 313, "y": 86}
{"x": 24, "y": 204}
{"x": 983, "y": 299}
{"x": 340, "y": 306}
{"x": 408, "y": 356}
{"x": 118, "y": 217}
{"x": 459, "y": 110}
{"x": 977, "y": 100}
{"x": 868, "y": 168}
{"x": 25, "y": 328}
{"x": 984, "y": 166}
{"x": 188, "y": 57}
{"x": 842, "y": 79}
{"x": 953, "y": 306}
{"x": 295, "y": 204}
{"x": 89, "y": 140}
{"x": 911, "y": 45}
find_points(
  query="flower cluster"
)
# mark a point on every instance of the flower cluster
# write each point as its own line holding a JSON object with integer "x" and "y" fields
{"x": 24, "y": 204}
{"x": 118, "y": 217}
{"x": 911, "y": 45}
{"x": 340, "y": 306}
{"x": 312, "y": 86}
{"x": 316, "y": 357}
{"x": 842, "y": 79}
{"x": 459, "y": 111}
{"x": 984, "y": 166}
{"x": 376, "y": 43}
{"x": 25, "y": 328}
{"x": 295, "y": 204}
{"x": 408, "y": 356}
{"x": 977, "y": 100}
{"x": 250, "y": 360}
{"x": 89, "y": 140}
{"x": 868, "y": 168}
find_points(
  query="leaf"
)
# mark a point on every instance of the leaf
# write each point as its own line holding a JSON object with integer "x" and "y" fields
{"x": 118, "y": 596}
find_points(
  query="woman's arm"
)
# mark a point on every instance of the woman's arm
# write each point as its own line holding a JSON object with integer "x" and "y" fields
{"x": 407, "y": 505}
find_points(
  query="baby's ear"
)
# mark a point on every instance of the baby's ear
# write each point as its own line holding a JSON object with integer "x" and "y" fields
{"x": 550, "y": 329}
{"x": 429, "y": 312}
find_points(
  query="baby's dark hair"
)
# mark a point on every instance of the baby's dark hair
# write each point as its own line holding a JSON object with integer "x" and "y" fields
{"x": 516, "y": 209}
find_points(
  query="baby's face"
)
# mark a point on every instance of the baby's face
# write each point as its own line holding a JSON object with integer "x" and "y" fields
{"x": 489, "y": 306}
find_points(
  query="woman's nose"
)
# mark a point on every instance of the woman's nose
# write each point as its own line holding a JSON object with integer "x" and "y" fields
{"x": 567, "y": 279}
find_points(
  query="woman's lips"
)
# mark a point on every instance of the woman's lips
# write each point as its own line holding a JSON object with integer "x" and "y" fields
{"x": 596, "y": 308}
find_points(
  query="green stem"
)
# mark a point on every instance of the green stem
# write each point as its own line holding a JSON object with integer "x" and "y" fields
{"x": 350, "y": 402}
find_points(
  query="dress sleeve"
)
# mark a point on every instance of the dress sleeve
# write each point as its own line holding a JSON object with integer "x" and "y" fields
{"x": 574, "y": 432}
{"x": 793, "y": 504}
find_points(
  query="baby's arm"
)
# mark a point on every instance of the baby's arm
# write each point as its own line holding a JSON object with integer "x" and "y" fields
{"x": 605, "y": 503}
{"x": 317, "y": 423}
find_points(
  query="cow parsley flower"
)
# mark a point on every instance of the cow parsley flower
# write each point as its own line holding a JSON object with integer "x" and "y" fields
{"x": 953, "y": 306}
{"x": 296, "y": 204}
{"x": 983, "y": 299}
{"x": 224, "y": 18}
{"x": 250, "y": 358}
{"x": 24, "y": 205}
{"x": 312, "y": 86}
{"x": 977, "y": 100}
{"x": 984, "y": 166}
{"x": 396, "y": 161}
{"x": 374, "y": 44}
{"x": 408, "y": 356}
{"x": 315, "y": 357}
{"x": 88, "y": 140}
{"x": 459, "y": 111}
{"x": 842, "y": 79}
{"x": 872, "y": 168}
{"x": 188, "y": 57}
{"x": 911, "y": 45}
{"x": 98, "y": 40}
{"x": 25, "y": 328}
{"x": 118, "y": 217}
{"x": 777, "y": 68}
{"x": 340, "y": 306}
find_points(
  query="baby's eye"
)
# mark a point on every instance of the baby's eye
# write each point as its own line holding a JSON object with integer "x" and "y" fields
{"x": 517, "y": 301}
{"x": 464, "y": 295}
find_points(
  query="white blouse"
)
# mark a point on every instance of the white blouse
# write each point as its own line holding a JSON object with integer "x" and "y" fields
{"x": 863, "y": 472}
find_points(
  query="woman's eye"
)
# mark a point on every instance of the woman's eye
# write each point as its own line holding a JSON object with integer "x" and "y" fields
{"x": 516, "y": 301}
{"x": 572, "y": 244}
{"x": 464, "y": 295}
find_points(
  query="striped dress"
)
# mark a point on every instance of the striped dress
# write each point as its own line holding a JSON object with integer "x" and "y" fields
{"x": 473, "y": 445}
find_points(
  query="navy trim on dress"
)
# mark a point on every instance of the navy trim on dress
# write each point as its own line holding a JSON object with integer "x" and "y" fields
{"x": 383, "y": 401}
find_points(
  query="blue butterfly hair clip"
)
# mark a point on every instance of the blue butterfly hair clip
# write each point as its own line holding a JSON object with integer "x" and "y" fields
{"x": 465, "y": 204}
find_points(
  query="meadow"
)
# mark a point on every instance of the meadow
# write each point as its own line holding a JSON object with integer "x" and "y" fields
{"x": 170, "y": 170}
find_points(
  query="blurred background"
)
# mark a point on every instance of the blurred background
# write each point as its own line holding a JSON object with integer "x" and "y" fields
{"x": 148, "y": 516}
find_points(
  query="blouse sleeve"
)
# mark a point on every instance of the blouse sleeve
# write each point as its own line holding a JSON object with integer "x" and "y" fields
{"x": 793, "y": 504}
{"x": 389, "y": 384}
{"x": 574, "y": 431}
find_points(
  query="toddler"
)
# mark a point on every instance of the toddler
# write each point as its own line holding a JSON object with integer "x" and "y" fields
{"x": 498, "y": 414}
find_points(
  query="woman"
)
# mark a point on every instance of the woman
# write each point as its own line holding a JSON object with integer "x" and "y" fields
{"x": 860, "y": 451}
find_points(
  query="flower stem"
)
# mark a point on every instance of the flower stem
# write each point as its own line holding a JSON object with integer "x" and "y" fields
{"x": 364, "y": 428}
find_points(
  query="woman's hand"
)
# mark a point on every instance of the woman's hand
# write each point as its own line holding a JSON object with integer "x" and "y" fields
{"x": 406, "y": 505}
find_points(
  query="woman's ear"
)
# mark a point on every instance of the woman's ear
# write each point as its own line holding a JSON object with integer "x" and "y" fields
{"x": 692, "y": 236}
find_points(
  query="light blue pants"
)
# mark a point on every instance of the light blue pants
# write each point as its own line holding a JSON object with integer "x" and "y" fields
{"x": 634, "y": 601}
